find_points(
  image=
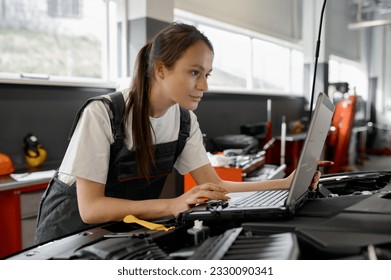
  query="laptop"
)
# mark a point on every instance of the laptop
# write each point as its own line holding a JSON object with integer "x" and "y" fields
{"x": 275, "y": 204}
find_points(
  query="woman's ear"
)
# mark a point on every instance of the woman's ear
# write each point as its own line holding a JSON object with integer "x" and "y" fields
{"x": 160, "y": 70}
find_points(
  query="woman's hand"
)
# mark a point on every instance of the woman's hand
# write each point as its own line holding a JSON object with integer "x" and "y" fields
{"x": 317, "y": 175}
{"x": 315, "y": 179}
{"x": 196, "y": 195}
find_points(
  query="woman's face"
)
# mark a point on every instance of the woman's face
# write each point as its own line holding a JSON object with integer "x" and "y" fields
{"x": 186, "y": 82}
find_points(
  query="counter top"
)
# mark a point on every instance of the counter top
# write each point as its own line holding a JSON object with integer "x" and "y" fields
{"x": 8, "y": 183}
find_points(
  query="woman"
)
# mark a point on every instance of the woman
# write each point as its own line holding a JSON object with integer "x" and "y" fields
{"x": 93, "y": 187}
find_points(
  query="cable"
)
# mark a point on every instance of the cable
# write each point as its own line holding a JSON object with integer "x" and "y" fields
{"x": 316, "y": 59}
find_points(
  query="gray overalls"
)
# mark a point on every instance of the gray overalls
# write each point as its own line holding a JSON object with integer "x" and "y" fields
{"x": 59, "y": 214}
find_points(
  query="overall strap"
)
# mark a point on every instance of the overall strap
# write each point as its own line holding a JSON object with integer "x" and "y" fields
{"x": 184, "y": 131}
{"x": 115, "y": 106}
{"x": 117, "y": 109}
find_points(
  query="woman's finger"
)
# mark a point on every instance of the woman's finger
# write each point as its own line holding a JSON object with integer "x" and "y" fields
{"x": 210, "y": 194}
{"x": 315, "y": 180}
{"x": 205, "y": 192}
{"x": 325, "y": 163}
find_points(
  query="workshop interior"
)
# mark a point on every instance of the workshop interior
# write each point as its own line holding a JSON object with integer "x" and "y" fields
{"x": 275, "y": 62}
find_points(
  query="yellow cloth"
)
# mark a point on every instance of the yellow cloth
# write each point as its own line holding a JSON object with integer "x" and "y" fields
{"x": 132, "y": 219}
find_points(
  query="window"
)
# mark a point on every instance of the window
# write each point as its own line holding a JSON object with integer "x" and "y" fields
{"x": 65, "y": 8}
{"x": 270, "y": 66}
{"x": 297, "y": 71}
{"x": 231, "y": 63}
{"x": 343, "y": 70}
{"x": 64, "y": 40}
{"x": 249, "y": 61}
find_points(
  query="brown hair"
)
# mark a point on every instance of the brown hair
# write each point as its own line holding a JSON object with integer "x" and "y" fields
{"x": 166, "y": 46}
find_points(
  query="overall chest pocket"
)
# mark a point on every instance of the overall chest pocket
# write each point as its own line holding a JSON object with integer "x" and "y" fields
{"x": 165, "y": 159}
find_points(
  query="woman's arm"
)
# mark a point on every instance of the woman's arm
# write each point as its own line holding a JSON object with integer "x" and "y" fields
{"x": 207, "y": 173}
{"x": 95, "y": 207}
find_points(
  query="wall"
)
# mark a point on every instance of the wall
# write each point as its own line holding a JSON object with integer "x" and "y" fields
{"x": 224, "y": 113}
{"x": 387, "y": 74}
{"x": 46, "y": 111}
{"x": 339, "y": 40}
{"x": 381, "y": 69}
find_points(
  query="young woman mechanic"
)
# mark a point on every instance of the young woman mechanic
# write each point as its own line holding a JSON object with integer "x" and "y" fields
{"x": 172, "y": 71}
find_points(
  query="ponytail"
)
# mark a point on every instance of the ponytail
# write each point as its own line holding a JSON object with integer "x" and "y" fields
{"x": 139, "y": 102}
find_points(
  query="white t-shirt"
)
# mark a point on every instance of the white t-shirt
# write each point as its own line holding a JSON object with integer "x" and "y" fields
{"x": 88, "y": 153}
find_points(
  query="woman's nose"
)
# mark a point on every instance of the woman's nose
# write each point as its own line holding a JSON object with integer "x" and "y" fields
{"x": 203, "y": 84}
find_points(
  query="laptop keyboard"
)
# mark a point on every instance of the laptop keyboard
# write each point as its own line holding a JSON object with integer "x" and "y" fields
{"x": 262, "y": 198}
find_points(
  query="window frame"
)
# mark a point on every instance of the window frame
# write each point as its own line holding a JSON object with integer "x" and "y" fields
{"x": 108, "y": 79}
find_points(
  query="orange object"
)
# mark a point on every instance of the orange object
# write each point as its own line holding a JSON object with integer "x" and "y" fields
{"x": 225, "y": 173}
{"x": 268, "y": 136}
{"x": 6, "y": 165}
{"x": 10, "y": 222}
{"x": 338, "y": 140}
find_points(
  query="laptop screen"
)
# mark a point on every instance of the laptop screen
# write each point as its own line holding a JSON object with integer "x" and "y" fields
{"x": 312, "y": 150}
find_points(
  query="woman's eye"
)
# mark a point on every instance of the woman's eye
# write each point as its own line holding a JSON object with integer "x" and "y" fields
{"x": 195, "y": 73}
{"x": 208, "y": 75}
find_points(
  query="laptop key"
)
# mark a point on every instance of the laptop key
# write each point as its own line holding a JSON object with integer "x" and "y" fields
{"x": 264, "y": 198}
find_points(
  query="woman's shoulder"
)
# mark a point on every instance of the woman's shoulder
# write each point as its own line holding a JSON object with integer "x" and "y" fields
{"x": 97, "y": 106}
{"x": 125, "y": 92}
